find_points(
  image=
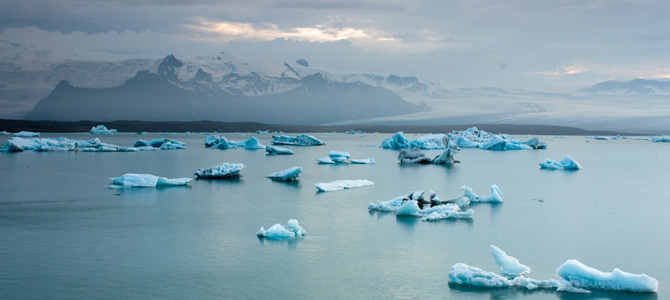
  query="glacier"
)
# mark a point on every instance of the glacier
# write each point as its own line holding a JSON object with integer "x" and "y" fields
{"x": 299, "y": 140}
{"x": 568, "y": 163}
{"x": 575, "y": 277}
{"x": 215, "y": 141}
{"x": 342, "y": 185}
{"x": 102, "y": 129}
{"x": 147, "y": 180}
{"x": 276, "y": 150}
{"x": 222, "y": 171}
{"x": 286, "y": 175}
{"x": 278, "y": 231}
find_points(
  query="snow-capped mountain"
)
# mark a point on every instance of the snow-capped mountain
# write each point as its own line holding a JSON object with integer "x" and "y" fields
{"x": 635, "y": 86}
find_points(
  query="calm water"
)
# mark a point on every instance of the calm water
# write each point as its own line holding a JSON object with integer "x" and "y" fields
{"x": 63, "y": 235}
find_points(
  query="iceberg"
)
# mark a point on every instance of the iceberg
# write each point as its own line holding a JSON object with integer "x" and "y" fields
{"x": 495, "y": 197}
{"x": 475, "y": 138}
{"x": 338, "y": 156}
{"x": 427, "y": 142}
{"x": 566, "y": 164}
{"x": 419, "y": 157}
{"x": 342, "y": 185}
{"x": 511, "y": 267}
{"x": 17, "y": 144}
{"x": 661, "y": 139}
{"x": 222, "y": 171}
{"x": 365, "y": 161}
{"x": 262, "y": 131}
{"x": 325, "y": 160}
{"x": 277, "y": 231}
{"x": 26, "y": 134}
{"x": 300, "y": 140}
{"x": 159, "y": 144}
{"x": 409, "y": 205}
{"x": 585, "y": 277}
{"x": 102, "y": 129}
{"x": 147, "y": 180}
{"x": 4, "y": 133}
{"x": 215, "y": 141}
{"x": 276, "y": 150}
{"x": 286, "y": 175}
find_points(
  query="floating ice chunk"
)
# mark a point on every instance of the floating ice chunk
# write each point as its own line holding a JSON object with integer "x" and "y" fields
{"x": 566, "y": 164}
{"x": 159, "y": 144}
{"x": 586, "y": 277}
{"x": 325, "y": 160}
{"x": 408, "y": 205}
{"x": 215, "y": 141}
{"x": 334, "y": 154}
{"x": 262, "y": 131}
{"x": 253, "y": 143}
{"x": 465, "y": 274}
{"x": 409, "y": 208}
{"x": 496, "y": 195}
{"x": 511, "y": 267}
{"x": 463, "y": 142}
{"x": 277, "y": 231}
{"x": 286, "y": 175}
{"x": 417, "y": 156}
{"x": 502, "y": 143}
{"x": 398, "y": 141}
{"x": 661, "y": 139}
{"x": 4, "y": 133}
{"x": 222, "y": 171}
{"x": 365, "y": 161}
{"x": 147, "y": 180}
{"x": 102, "y": 129}
{"x": 475, "y": 138}
{"x": 342, "y": 185}
{"x": 26, "y": 134}
{"x": 300, "y": 140}
{"x": 276, "y": 150}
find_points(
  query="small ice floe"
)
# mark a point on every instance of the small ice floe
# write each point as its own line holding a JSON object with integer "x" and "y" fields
{"x": 215, "y": 141}
{"x": 278, "y": 231}
{"x": 276, "y": 150}
{"x": 146, "y": 180}
{"x": 102, "y": 129}
{"x": 417, "y": 156}
{"x": 469, "y": 196}
{"x": 365, "y": 161}
{"x": 325, "y": 160}
{"x": 159, "y": 144}
{"x": 342, "y": 185}
{"x": 427, "y": 142}
{"x": 566, "y": 164}
{"x": 300, "y": 140}
{"x": 4, "y": 133}
{"x": 222, "y": 171}
{"x": 262, "y": 131}
{"x": 286, "y": 175}
{"x": 354, "y": 132}
{"x": 26, "y": 134}
{"x": 410, "y": 205}
{"x": 575, "y": 277}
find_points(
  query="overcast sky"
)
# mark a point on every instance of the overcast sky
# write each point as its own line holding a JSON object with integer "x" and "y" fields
{"x": 511, "y": 43}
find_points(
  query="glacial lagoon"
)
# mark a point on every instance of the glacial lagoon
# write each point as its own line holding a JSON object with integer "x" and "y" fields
{"x": 64, "y": 235}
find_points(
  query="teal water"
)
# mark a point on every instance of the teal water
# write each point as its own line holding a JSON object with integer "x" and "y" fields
{"x": 63, "y": 235}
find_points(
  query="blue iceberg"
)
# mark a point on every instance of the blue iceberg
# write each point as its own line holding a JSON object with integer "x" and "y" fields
{"x": 566, "y": 164}
{"x": 215, "y": 141}
{"x": 427, "y": 142}
{"x": 147, "y": 180}
{"x": 102, "y": 129}
{"x": 300, "y": 140}
{"x": 286, "y": 175}
{"x": 278, "y": 231}
{"x": 222, "y": 171}
{"x": 276, "y": 150}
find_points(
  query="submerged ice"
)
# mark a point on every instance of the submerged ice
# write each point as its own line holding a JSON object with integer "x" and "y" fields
{"x": 278, "y": 231}
{"x": 147, "y": 180}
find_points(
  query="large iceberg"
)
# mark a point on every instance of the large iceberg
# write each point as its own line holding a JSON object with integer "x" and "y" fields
{"x": 147, "y": 180}
{"x": 278, "y": 231}
{"x": 409, "y": 205}
{"x": 286, "y": 175}
{"x": 300, "y": 140}
{"x": 566, "y": 164}
{"x": 18, "y": 144}
{"x": 102, "y": 129}
{"x": 222, "y": 171}
{"x": 398, "y": 141}
{"x": 419, "y": 157}
{"x": 215, "y": 141}
{"x": 26, "y": 134}
{"x": 475, "y": 138}
{"x": 495, "y": 197}
{"x": 276, "y": 150}
{"x": 574, "y": 276}
{"x": 159, "y": 144}
{"x": 342, "y": 185}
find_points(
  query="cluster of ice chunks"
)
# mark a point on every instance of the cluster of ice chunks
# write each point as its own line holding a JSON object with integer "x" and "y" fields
{"x": 215, "y": 141}
{"x": 574, "y": 277}
{"x": 419, "y": 157}
{"x": 300, "y": 140}
{"x": 18, "y": 144}
{"x": 338, "y": 157}
{"x": 469, "y": 138}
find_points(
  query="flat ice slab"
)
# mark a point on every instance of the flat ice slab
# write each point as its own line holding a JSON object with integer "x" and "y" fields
{"x": 300, "y": 140}
{"x": 342, "y": 185}
{"x": 26, "y": 134}
{"x": 276, "y": 150}
{"x": 222, "y": 171}
{"x": 147, "y": 180}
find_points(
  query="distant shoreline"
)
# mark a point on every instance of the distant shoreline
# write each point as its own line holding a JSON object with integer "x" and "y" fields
{"x": 211, "y": 126}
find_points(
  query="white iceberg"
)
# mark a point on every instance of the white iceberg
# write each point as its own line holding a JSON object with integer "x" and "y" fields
{"x": 147, "y": 180}
{"x": 26, "y": 134}
{"x": 102, "y": 129}
{"x": 495, "y": 197}
{"x": 286, "y": 175}
{"x": 215, "y": 141}
{"x": 365, "y": 161}
{"x": 17, "y": 144}
{"x": 262, "y": 131}
{"x": 511, "y": 267}
{"x": 566, "y": 164}
{"x": 342, "y": 185}
{"x": 300, "y": 140}
{"x": 159, "y": 144}
{"x": 222, "y": 171}
{"x": 277, "y": 231}
{"x": 427, "y": 142}
{"x": 475, "y": 138}
{"x": 276, "y": 150}
{"x": 408, "y": 205}
{"x": 585, "y": 277}
{"x": 325, "y": 160}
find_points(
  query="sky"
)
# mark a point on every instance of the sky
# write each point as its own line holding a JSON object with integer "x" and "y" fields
{"x": 478, "y": 43}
